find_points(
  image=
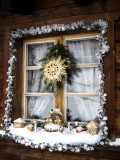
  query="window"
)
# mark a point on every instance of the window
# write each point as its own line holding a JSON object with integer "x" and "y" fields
{"x": 37, "y": 101}
{"x": 78, "y": 101}
{"x": 82, "y": 98}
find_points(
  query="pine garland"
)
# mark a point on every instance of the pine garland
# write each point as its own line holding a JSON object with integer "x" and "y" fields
{"x": 70, "y": 61}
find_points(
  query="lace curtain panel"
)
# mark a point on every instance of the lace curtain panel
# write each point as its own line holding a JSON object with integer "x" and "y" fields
{"x": 78, "y": 107}
{"x": 37, "y": 106}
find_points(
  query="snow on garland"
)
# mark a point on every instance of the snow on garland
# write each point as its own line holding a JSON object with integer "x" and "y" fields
{"x": 103, "y": 47}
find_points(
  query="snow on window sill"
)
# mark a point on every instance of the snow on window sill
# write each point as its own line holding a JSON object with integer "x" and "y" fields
{"x": 65, "y": 138}
{"x": 115, "y": 143}
{"x": 2, "y": 132}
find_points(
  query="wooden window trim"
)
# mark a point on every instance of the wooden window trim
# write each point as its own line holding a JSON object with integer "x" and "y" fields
{"x": 59, "y": 100}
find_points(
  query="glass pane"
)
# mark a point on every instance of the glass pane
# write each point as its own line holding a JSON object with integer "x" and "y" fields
{"x": 82, "y": 108}
{"x": 35, "y": 82}
{"x": 37, "y": 52}
{"x": 88, "y": 81}
{"x": 84, "y": 50}
{"x": 39, "y": 106}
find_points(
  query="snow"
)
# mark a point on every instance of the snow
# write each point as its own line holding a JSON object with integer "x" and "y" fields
{"x": 2, "y": 132}
{"x": 66, "y": 137}
{"x": 20, "y": 120}
{"x": 52, "y": 126}
{"x": 115, "y": 143}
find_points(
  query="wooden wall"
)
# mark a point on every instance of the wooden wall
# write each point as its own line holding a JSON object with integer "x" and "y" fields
{"x": 66, "y": 11}
{"x": 117, "y": 75}
{"x": 1, "y": 75}
{"x": 9, "y": 150}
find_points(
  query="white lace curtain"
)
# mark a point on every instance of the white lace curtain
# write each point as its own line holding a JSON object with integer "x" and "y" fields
{"x": 84, "y": 108}
{"x": 37, "y": 106}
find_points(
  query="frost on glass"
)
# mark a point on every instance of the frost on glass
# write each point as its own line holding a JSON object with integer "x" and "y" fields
{"x": 37, "y": 52}
{"x": 82, "y": 108}
{"x": 39, "y": 106}
{"x": 84, "y": 50}
{"x": 87, "y": 81}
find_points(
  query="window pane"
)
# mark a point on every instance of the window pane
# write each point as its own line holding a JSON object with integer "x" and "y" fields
{"x": 37, "y": 52}
{"x": 82, "y": 108}
{"x": 39, "y": 106}
{"x": 35, "y": 82}
{"x": 88, "y": 81}
{"x": 84, "y": 50}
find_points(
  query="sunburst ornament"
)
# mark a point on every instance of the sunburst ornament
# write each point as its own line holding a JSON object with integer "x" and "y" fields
{"x": 59, "y": 65}
{"x": 53, "y": 70}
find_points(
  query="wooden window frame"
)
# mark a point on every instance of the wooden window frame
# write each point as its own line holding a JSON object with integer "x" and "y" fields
{"x": 59, "y": 100}
{"x": 25, "y": 68}
{"x": 83, "y": 65}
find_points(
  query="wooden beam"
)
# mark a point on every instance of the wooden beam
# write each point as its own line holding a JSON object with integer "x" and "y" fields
{"x": 109, "y": 71}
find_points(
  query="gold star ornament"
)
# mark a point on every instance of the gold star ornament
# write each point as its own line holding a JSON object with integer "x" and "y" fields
{"x": 53, "y": 70}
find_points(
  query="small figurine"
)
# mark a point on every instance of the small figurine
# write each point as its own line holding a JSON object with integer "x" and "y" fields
{"x": 19, "y": 123}
{"x": 92, "y": 128}
{"x": 53, "y": 123}
{"x": 48, "y": 121}
{"x": 54, "y": 113}
{"x": 58, "y": 121}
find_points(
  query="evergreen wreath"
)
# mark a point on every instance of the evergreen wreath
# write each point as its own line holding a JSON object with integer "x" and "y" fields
{"x": 67, "y": 62}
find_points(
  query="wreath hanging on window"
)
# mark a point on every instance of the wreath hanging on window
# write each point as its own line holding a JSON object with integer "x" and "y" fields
{"x": 59, "y": 65}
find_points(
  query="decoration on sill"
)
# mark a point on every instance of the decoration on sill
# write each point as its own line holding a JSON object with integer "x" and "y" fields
{"x": 53, "y": 122}
{"x": 70, "y": 126}
{"x": 101, "y": 25}
{"x": 19, "y": 123}
{"x": 59, "y": 64}
{"x": 55, "y": 113}
{"x": 53, "y": 128}
{"x": 48, "y": 121}
{"x": 83, "y": 125}
{"x": 58, "y": 121}
{"x": 30, "y": 127}
{"x": 93, "y": 128}
{"x": 35, "y": 126}
{"x": 79, "y": 129}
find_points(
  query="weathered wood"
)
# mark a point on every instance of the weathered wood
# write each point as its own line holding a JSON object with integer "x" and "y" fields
{"x": 118, "y": 125}
{"x": 1, "y": 73}
{"x": 117, "y": 52}
{"x": 117, "y": 77}
{"x": 117, "y": 70}
{"x": 59, "y": 100}
{"x": 69, "y": 10}
{"x": 17, "y": 85}
{"x": 10, "y": 149}
{"x": 109, "y": 71}
{"x": 117, "y": 32}
{"x": 118, "y": 99}
{"x": 6, "y": 58}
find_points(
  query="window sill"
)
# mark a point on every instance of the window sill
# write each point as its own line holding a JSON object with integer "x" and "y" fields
{"x": 42, "y": 138}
